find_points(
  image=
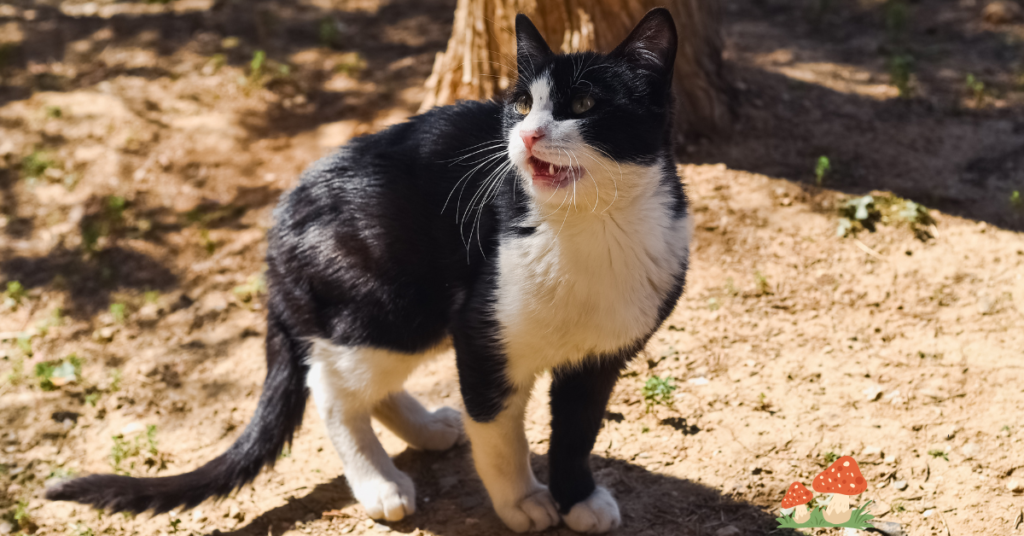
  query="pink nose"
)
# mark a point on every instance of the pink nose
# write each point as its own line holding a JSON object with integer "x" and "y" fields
{"x": 530, "y": 137}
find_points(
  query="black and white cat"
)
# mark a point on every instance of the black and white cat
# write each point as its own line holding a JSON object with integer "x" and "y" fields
{"x": 546, "y": 232}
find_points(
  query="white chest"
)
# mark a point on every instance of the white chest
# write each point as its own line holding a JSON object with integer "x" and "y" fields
{"x": 591, "y": 286}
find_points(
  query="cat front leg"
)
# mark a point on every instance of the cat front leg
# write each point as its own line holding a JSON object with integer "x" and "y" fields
{"x": 579, "y": 395}
{"x": 501, "y": 455}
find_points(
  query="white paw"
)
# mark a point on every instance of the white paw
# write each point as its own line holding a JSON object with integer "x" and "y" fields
{"x": 386, "y": 499}
{"x": 442, "y": 431}
{"x": 535, "y": 512}
{"x": 599, "y": 513}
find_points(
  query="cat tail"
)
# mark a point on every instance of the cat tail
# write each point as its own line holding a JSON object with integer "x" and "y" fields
{"x": 278, "y": 414}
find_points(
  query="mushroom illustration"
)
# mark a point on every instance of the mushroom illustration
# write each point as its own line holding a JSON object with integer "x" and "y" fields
{"x": 843, "y": 480}
{"x": 798, "y": 496}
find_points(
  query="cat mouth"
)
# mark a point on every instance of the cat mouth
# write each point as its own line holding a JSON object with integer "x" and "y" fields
{"x": 552, "y": 175}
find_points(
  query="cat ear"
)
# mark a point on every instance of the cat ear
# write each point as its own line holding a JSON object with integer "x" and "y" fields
{"x": 652, "y": 44}
{"x": 530, "y": 45}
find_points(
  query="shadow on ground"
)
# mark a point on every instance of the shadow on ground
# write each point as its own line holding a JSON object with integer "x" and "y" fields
{"x": 451, "y": 501}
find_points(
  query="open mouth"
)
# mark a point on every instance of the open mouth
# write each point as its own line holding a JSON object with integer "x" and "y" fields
{"x": 552, "y": 175}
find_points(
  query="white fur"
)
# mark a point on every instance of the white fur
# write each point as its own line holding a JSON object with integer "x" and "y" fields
{"x": 502, "y": 458}
{"x": 349, "y": 384}
{"x": 598, "y": 513}
{"x": 589, "y": 281}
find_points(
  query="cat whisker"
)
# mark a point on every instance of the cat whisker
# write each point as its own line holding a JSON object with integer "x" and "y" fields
{"x": 465, "y": 180}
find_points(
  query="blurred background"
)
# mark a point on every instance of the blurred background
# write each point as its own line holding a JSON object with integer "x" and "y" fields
{"x": 855, "y": 170}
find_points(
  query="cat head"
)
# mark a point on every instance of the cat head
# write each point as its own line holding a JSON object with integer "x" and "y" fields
{"x": 584, "y": 129}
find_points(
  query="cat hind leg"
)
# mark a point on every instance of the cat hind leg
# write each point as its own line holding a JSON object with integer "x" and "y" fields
{"x": 420, "y": 428}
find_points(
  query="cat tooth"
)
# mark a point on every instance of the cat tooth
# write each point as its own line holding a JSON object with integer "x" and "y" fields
{"x": 551, "y": 169}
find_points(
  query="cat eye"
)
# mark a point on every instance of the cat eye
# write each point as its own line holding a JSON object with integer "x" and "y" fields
{"x": 524, "y": 104}
{"x": 582, "y": 104}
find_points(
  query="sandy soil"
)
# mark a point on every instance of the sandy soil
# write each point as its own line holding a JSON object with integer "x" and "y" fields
{"x": 141, "y": 151}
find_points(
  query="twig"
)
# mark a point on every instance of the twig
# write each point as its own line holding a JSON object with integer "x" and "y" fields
{"x": 867, "y": 249}
{"x": 943, "y": 518}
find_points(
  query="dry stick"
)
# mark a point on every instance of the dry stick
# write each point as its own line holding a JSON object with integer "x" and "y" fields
{"x": 867, "y": 249}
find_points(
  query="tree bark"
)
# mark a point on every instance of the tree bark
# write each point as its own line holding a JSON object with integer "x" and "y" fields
{"x": 480, "y": 61}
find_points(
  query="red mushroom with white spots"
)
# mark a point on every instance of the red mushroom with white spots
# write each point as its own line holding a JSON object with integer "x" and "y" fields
{"x": 797, "y": 497}
{"x": 844, "y": 480}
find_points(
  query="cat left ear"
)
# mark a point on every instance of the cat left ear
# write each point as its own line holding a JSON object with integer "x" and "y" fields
{"x": 530, "y": 45}
{"x": 652, "y": 44}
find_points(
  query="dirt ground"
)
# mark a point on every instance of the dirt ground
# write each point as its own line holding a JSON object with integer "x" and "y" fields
{"x": 143, "y": 146}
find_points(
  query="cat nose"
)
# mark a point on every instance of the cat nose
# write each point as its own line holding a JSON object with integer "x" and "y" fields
{"x": 530, "y": 137}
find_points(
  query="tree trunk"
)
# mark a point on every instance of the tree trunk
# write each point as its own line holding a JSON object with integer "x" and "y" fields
{"x": 480, "y": 61}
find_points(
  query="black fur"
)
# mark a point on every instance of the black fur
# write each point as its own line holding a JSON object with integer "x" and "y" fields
{"x": 377, "y": 246}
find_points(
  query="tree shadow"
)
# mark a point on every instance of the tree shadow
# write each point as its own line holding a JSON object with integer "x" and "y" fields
{"x": 452, "y": 501}
{"x": 934, "y": 147}
{"x": 967, "y": 167}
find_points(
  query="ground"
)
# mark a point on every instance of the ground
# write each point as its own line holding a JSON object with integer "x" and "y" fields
{"x": 143, "y": 146}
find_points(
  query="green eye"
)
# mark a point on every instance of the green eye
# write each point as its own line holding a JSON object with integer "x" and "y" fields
{"x": 582, "y": 104}
{"x": 523, "y": 104}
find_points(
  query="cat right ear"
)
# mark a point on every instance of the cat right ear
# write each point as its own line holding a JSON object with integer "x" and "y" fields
{"x": 530, "y": 45}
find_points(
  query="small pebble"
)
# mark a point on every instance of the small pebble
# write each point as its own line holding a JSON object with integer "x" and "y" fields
{"x": 928, "y": 513}
{"x": 900, "y": 485}
{"x": 1015, "y": 486}
{"x": 6, "y": 527}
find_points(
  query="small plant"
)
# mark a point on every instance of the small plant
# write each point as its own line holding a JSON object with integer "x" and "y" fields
{"x": 174, "y": 524}
{"x": 36, "y": 163}
{"x": 1016, "y": 201}
{"x": 714, "y": 304}
{"x": 830, "y": 457}
{"x": 976, "y": 88}
{"x": 109, "y": 220}
{"x": 142, "y": 446}
{"x": 78, "y": 529}
{"x": 14, "y": 295}
{"x": 328, "y": 31}
{"x": 22, "y": 518}
{"x": 53, "y": 112}
{"x": 899, "y": 507}
{"x": 253, "y": 288}
{"x": 151, "y": 296}
{"x": 658, "y": 391}
{"x": 857, "y": 213}
{"x": 763, "y": 287}
{"x": 938, "y": 453}
{"x": 57, "y": 373}
{"x": 901, "y": 67}
{"x": 117, "y": 311}
{"x": 821, "y": 169}
{"x": 644, "y": 429}
{"x": 115, "y": 380}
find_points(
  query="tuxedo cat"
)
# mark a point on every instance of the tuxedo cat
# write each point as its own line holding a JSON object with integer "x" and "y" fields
{"x": 547, "y": 232}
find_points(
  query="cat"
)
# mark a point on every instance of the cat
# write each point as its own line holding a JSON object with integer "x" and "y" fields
{"x": 548, "y": 231}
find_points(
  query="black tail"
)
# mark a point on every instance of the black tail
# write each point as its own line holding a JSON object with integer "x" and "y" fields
{"x": 277, "y": 416}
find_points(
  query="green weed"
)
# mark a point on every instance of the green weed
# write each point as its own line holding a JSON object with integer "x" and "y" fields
{"x": 59, "y": 372}
{"x": 141, "y": 447}
{"x": 328, "y": 31}
{"x": 977, "y": 89}
{"x": 251, "y": 289}
{"x": 115, "y": 380}
{"x": 938, "y": 453}
{"x": 36, "y": 163}
{"x": 898, "y": 507}
{"x": 763, "y": 286}
{"x": 658, "y": 391}
{"x": 14, "y": 295}
{"x": 830, "y": 457}
{"x": 901, "y": 69}
{"x": 53, "y": 112}
{"x": 110, "y": 219}
{"x": 117, "y": 310}
{"x": 1016, "y": 201}
{"x": 821, "y": 169}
